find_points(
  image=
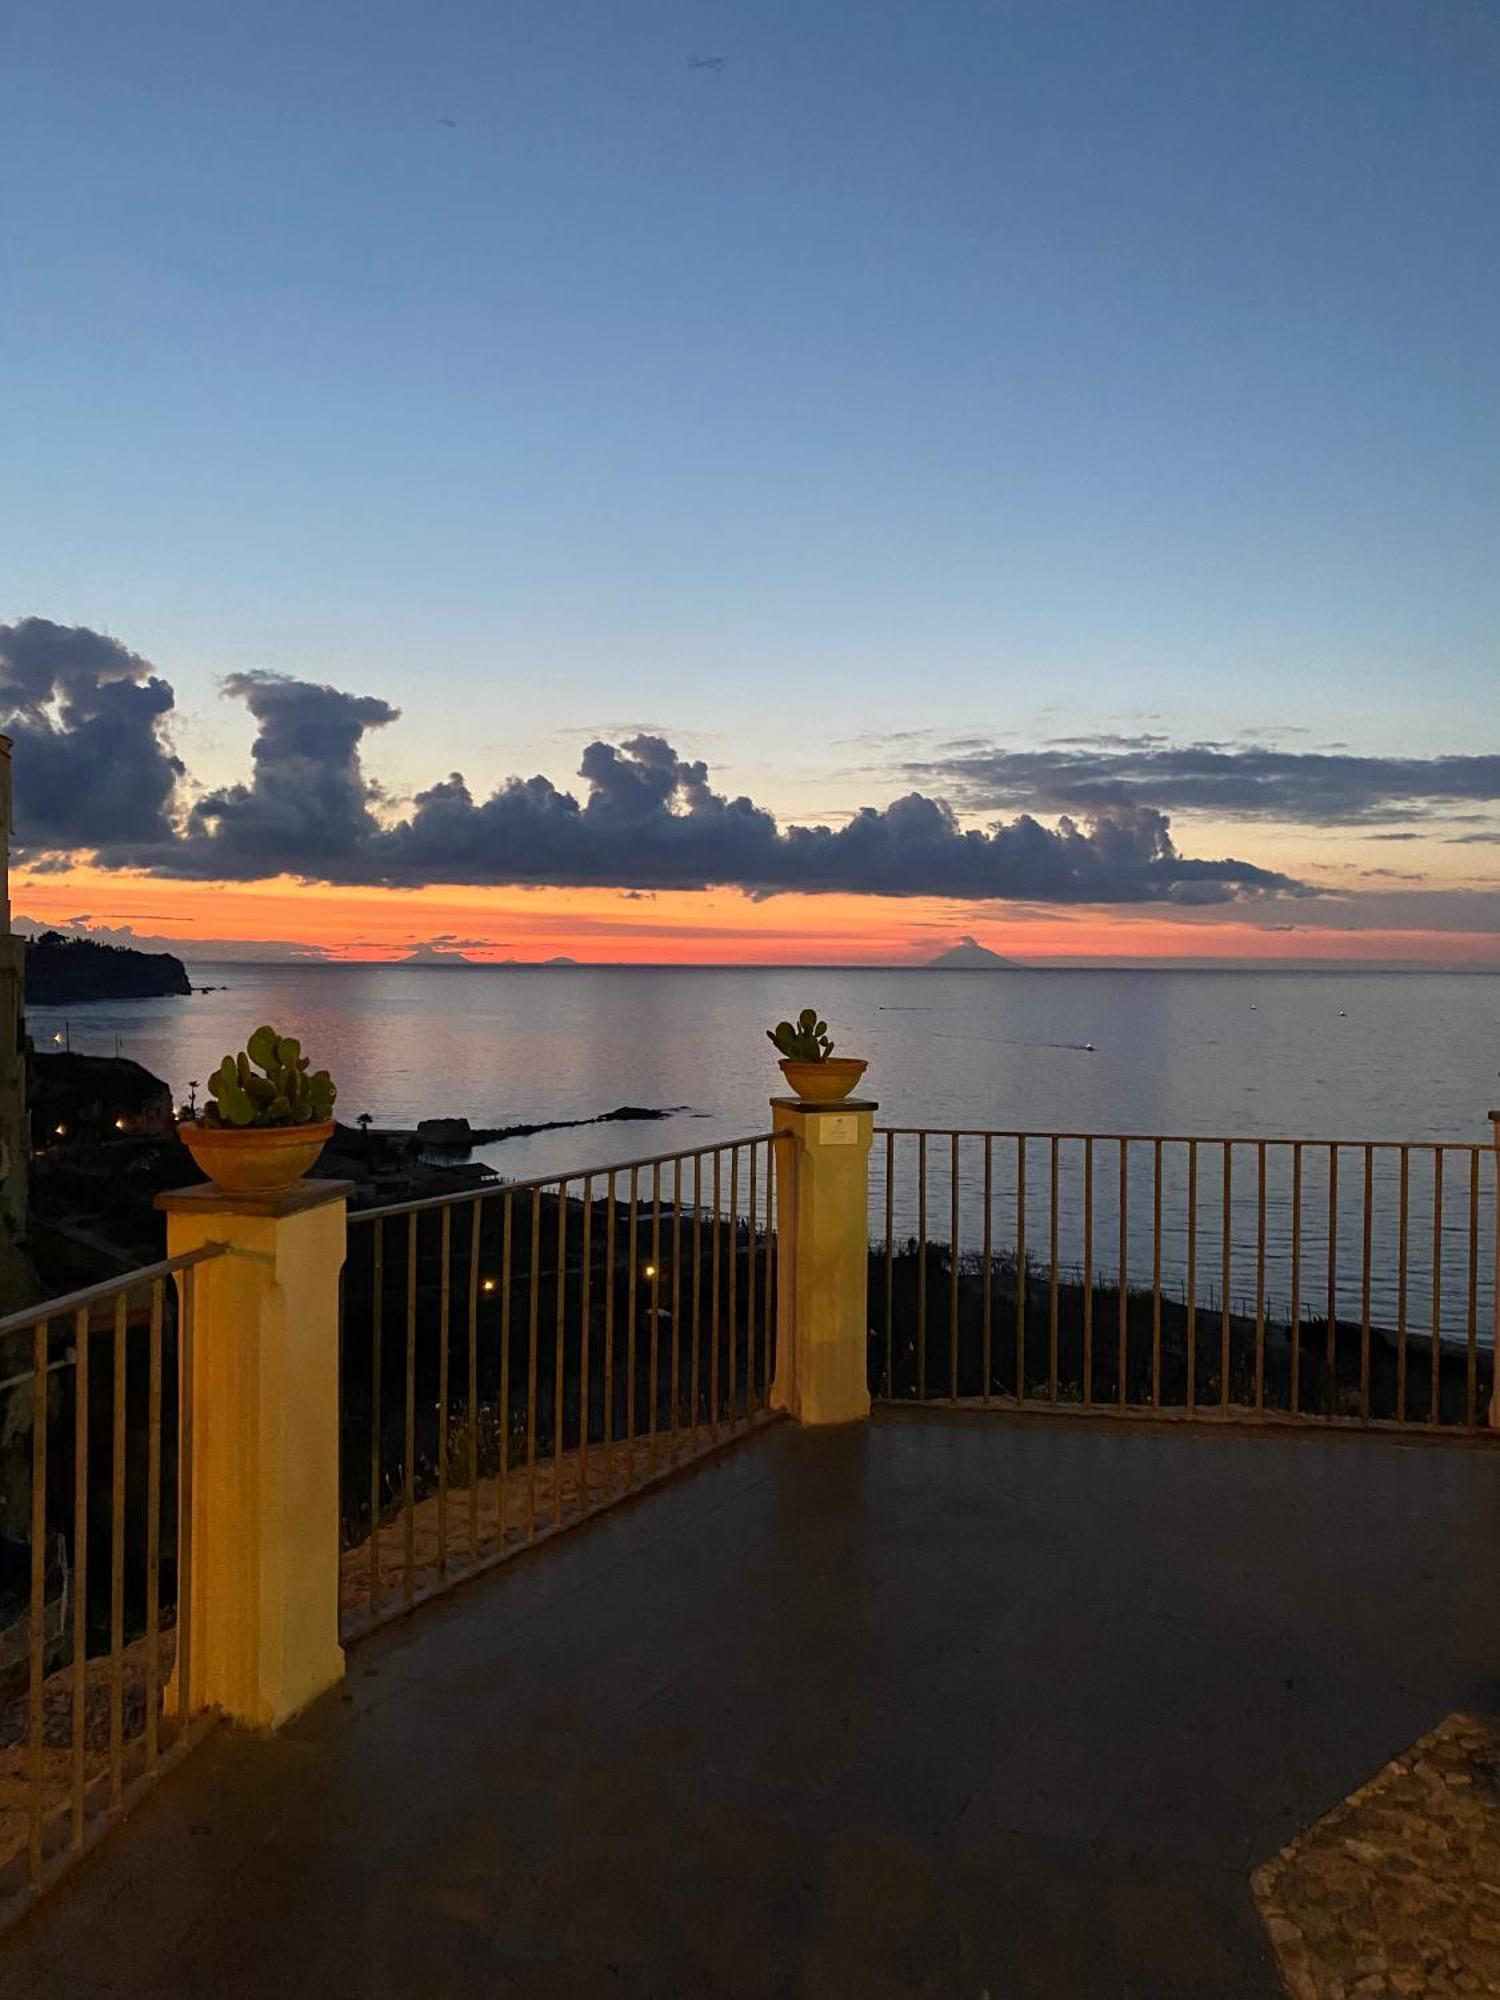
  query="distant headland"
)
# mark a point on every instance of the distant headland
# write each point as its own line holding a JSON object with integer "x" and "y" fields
{"x": 64, "y": 972}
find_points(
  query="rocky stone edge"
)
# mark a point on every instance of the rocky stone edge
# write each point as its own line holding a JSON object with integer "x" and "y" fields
{"x": 1397, "y": 1889}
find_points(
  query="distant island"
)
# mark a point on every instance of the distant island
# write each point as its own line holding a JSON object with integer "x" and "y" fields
{"x": 64, "y": 972}
{"x": 968, "y": 955}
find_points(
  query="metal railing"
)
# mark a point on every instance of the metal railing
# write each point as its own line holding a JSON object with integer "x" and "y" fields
{"x": 1295, "y": 1279}
{"x": 95, "y": 1562}
{"x": 515, "y": 1359}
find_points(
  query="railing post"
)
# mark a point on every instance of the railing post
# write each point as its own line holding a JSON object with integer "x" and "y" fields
{"x": 823, "y": 1251}
{"x": 263, "y": 1425}
{"x": 1495, "y": 1350}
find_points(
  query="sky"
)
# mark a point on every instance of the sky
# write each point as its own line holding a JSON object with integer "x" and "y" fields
{"x": 766, "y": 481}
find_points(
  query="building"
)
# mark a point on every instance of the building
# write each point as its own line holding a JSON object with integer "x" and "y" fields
{"x": 13, "y": 1136}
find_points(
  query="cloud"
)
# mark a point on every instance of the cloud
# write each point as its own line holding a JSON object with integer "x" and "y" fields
{"x": 308, "y": 797}
{"x": 92, "y": 764}
{"x": 1309, "y": 788}
{"x": 648, "y": 818}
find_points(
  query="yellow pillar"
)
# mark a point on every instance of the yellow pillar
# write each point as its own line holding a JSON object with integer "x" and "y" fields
{"x": 263, "y": 1407}
{"x": 823, "y": 1238}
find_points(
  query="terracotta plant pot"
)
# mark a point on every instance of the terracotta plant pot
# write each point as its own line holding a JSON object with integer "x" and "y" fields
{"x": 255, "y": 1159}
{"x": 824, "y": 1082}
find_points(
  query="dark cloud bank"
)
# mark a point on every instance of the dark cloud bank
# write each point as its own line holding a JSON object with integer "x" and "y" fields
{"x": 1308, "y": 788}
{"x": 95, "y": 772}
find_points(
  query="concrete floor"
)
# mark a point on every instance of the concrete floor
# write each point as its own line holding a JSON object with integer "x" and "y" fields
{"x": 944, "y": 1706}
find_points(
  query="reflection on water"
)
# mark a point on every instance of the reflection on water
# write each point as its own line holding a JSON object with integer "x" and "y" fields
{"x": 1256, "y": 1055}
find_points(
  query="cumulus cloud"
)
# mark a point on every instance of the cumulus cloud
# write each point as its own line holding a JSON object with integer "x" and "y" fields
{"x": 1309, "y": 788}
{"x": 647, "y": 818}
{"x": 93, "y": 767}
{"x": 650, "y": 819}
{"x": 308, "y": 804}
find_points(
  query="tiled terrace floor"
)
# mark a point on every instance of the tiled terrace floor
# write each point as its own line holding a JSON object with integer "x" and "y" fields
{"x": 945, "y": 1706}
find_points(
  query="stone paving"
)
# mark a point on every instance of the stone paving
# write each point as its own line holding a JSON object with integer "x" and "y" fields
{"x": 1397, "y": 1890}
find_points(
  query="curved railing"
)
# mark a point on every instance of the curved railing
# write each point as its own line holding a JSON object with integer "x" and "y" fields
{"x": 94, "y": 1583}
{"x": 516, "y": 1358}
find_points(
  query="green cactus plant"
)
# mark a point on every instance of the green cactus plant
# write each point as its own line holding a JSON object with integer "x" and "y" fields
{"x": 802, "y": 1040}
{"x": 268, "y": 1083}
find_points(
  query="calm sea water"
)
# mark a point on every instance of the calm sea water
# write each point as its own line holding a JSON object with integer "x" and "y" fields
{"x": 1408, "y": 1057}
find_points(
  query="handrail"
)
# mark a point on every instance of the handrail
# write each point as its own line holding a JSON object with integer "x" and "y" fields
{"x": 490, "y": 1189}
{"x": 1183, "y": 1138}
{"x": 107, "y": 1288}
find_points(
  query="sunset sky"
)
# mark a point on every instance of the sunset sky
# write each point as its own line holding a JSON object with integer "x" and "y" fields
{"x": 1024, "y": 471}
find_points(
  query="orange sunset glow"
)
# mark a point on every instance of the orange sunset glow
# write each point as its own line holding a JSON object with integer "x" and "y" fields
{"x": 679, "y": 927}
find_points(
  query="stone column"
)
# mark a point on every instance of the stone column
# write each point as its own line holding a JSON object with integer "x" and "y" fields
{"x": 262, "y": 1416}
{"x": 823, "y": 1241}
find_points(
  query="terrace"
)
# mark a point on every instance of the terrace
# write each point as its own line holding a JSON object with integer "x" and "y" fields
{"x": 1007, "y": 1687}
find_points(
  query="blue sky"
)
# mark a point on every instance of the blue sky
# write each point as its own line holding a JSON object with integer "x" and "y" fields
{"x": 1005, "y": 370}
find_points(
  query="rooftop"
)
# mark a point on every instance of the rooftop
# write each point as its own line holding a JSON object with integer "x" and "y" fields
{"x": 941, "y": 1704}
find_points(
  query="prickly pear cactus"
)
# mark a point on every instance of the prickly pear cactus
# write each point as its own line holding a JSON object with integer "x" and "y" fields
{"x": 805, "y": 1040}
{"x": 268, "y": 1083}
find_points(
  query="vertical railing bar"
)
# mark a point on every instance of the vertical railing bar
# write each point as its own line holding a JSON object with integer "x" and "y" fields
{"x": 473, "y": 1381}
{"x": 731, "y": 1335}
{"x": 1295, "y": 1399}
{"x": 1052, "y": 1285}
{"x": 1020, "y": 1267}
{"x": 1088, "y": 1273}
{"x": 409, "y": 1443}
{"x": 1192, "y": 1278}
{"x": 585, "y": 1314}
{"x": 1157, "y": 1275}
{"x": 117, "y": 1567}
{"x": 675, "y": 1364}
{"x": 445, "y": 1285}
{"x": 715, "y": 1273}
{"x": 153, "y": 1523}
{"x": 632, "y": 1249}
{"x": 1367, "y": 1237}
{"x": 609, "y": 1335}
{"x": 1403, "y": 1220}
{"x": 377, "y": 1307}
{"x": 36, "y": 1634}
{"x": 1260, "y": 1274}
{"x": 752, "y": 1245}
{"x": 954, "y": 1241}
{"x": 1332, "y": 1356}
{"x": 986, "y": 1331}
{"x": 1226, "y": 1253}
{"x": 890, "y": 1214}
{"x": 1123, "y": 1301}
{"x": 533, "y": 1341}
{"x": 695, "y": 1371}
{"x": 559, "y": 1357}
{"x": 768, "y": 1285}
{"x": 1435, "y": 1397}
{"x": 507, "y": 1271}
{"x": 921, "y": 1267}
{"x": 1471, "y": 1372}
{"x": 81, "y": 1543}
{"x": 653, "y": 1370}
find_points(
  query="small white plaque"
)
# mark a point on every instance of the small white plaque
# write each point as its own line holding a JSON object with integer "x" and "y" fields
{"x": 838, "y": 1128}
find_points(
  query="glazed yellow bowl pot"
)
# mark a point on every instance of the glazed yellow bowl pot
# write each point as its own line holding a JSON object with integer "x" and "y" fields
{"x": 255, "y": 1160}
{"x": 824, "y": 1082}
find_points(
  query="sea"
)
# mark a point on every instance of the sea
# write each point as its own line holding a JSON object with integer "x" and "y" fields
{"x": 1276, "y": 1055}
